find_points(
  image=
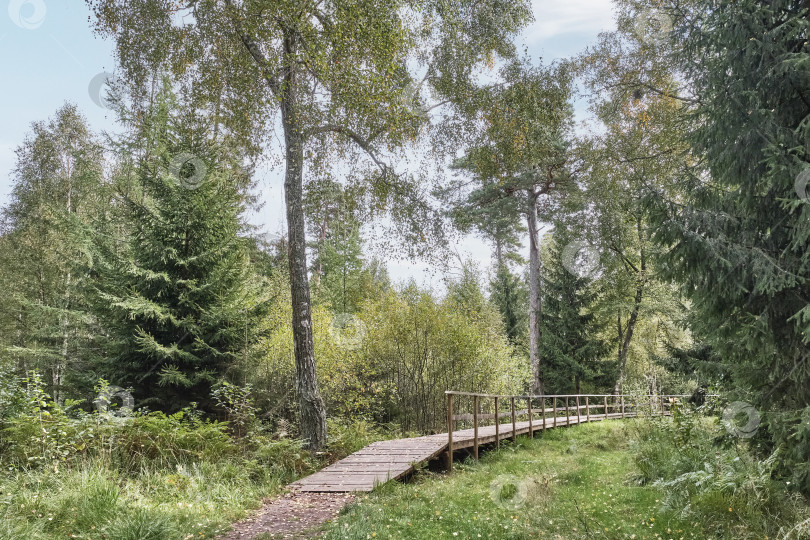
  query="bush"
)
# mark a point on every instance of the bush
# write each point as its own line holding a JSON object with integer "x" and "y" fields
{"x": 45, "y": 435}
{"x": 348, "y": 436}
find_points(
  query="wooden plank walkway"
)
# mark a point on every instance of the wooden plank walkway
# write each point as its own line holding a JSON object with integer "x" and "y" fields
{"x": 383, "y": 461}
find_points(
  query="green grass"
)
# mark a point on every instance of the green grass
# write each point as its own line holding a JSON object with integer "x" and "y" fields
{"x": 154, "y": 479}
{"x": 95, "y": 502}
{"x": 570, "y": 483}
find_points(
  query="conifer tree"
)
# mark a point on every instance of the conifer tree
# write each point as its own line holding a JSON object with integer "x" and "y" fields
{"x": 178, "y": 293}
{"x": 509, "y": 294}
{"x": 737, "y": 238}
{"x": 570, "y": 344}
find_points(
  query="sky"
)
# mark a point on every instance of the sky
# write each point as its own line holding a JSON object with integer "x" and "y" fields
{"x": 50, "y": 55}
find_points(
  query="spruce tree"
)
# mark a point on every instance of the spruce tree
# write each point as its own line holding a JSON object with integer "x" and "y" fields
{"x": 570, "y": 346}
{"x": 178, "y": 292}
{"x": 510, "y": 295}
{"x": 738, "y": 237}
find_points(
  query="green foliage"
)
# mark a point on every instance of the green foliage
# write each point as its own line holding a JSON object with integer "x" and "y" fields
{"x": 510, "y": 295}
{"x": 347, "y": 436}
{"x": 147, "y": 476}
{"x": 570, "y": 345}
{"x": 392, "y": 360}
{"x": 178, "y": 291}
{"x": 419, "y": 347}
{"x": 730, "y": 489}
{"x": 238, "y": 405}
{"x": 57, "y": 195}
{"x": 736, "y": 239}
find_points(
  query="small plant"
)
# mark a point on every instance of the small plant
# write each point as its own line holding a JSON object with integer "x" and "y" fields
{"x": 238, "y": 404}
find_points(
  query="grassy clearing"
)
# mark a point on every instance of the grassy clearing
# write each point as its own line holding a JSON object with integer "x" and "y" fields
{"x": 569, "y": 483}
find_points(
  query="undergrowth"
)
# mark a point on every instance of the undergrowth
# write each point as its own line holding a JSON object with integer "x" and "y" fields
{"x": 146, "y": 476}
{"x": 631, "y": 479}
{"x": 708, "y": 473}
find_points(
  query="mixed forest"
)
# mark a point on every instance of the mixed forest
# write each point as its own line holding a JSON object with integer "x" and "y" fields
{"x": 149, "y": 329}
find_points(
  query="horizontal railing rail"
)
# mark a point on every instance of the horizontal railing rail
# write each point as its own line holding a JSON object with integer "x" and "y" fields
{"x": 587, "y": 406}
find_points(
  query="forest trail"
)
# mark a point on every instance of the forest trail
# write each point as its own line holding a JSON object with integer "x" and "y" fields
{"x": 318, "y": 498}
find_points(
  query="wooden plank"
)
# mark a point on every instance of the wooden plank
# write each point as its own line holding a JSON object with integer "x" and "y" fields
{"x": 388, "y": 460}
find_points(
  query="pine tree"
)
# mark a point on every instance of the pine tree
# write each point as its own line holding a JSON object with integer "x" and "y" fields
{"x": 520, "y": 158}
{"x": 179, "y": 293}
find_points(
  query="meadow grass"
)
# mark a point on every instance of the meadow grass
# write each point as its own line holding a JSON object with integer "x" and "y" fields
{"x": 95, "y": 502}
{"x": 154, "y": 479}
{"x": 567, "y": 483}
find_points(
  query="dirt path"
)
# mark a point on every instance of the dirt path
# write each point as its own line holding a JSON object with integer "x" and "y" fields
{"x": 292, "y": 515}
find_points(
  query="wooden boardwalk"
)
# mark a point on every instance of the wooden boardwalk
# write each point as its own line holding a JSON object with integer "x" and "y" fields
{"x": 383, "y": 461}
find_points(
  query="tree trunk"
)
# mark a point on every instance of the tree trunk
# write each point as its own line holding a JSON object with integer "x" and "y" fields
{"x": 534, "y": 296}
{"x": 624, "y": 347}
{"x": 312, "y": 409}
{"x": 631, "y": 321}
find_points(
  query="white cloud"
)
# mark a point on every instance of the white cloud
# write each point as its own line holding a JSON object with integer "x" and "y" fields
{"x": 558, "y": 17}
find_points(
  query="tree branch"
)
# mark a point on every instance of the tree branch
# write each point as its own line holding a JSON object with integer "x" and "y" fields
{"x": 362, "y": 142}
{"x": 255, "y": 51}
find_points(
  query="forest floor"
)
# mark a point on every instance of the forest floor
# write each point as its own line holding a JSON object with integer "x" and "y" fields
{"x": 292, "y": 515}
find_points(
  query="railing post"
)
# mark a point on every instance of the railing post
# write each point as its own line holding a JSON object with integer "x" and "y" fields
{"x": 587, "y": 409}
{"x": 578, "y": 415}
{"x": 623, "y": 415}
{"x": 514, "y": 424}
{"x": 449, "y": 433}
{"x": 606, "y": 409}
{"x": 567, "y": 412}
{"x": 531, "y": 429}
{"x": 497, "y": 426}
{"x": 554, "y": 402}
{"x": 475, "y": 427}
{"x": 663, "y": 412}
{"x": 543, "y": 407}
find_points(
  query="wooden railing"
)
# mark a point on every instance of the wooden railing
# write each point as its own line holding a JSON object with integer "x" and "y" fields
{"x": 585, "y": 406}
